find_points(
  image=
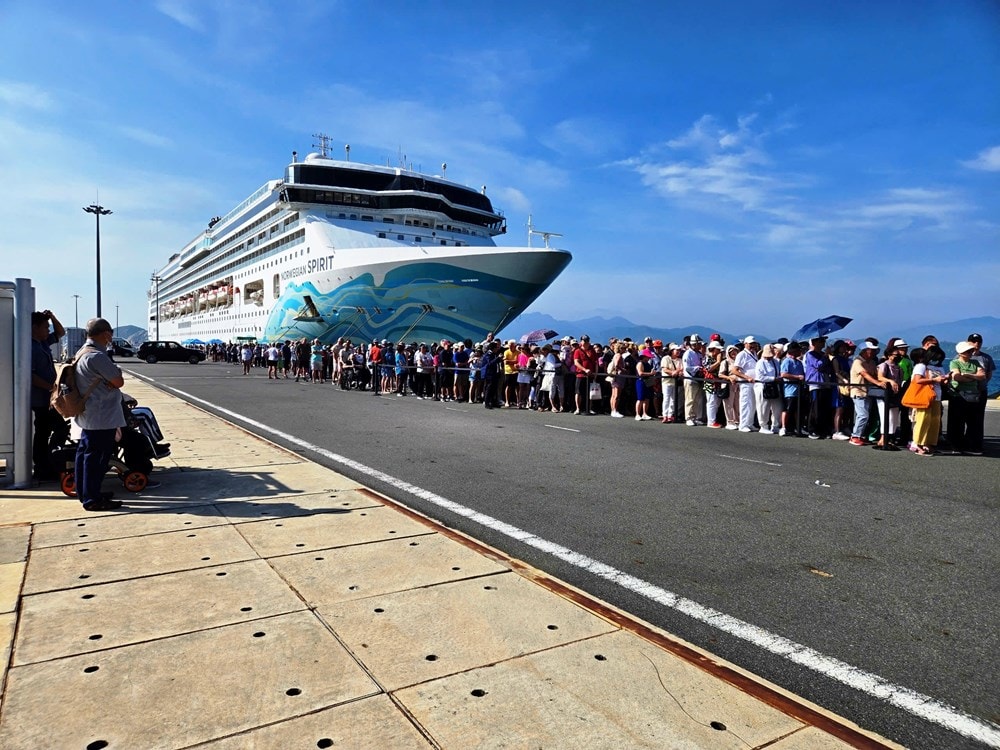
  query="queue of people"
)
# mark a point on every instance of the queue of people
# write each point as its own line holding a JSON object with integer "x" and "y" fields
{"x": 843, "y": 391}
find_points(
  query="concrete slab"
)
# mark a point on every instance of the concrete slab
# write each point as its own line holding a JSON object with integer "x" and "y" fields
{"x": 184, "y": 690}
{"x": 65, "y": 623}
{"x": 611, "y": 692}
{"x": 369, "y": 724}
{"x": 335, "y": 575}
{"x": 241, "y": 511}
{"x": 82, "y": 530}
{"x": 7, "y": 622}
{"x": 413, "y": 636}
{"x": 41, "y": 504}
{"x": 54, "y": 568}
{"x": 14, "y": 543}
{"x": 11, "y": 575}
{"x": 336, "y": 528}
{"x": 209, "y": 485}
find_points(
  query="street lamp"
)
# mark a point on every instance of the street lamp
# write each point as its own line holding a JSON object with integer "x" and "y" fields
{"x": 156, "y": 280}
{"x": 98, "y": 212}
{"x": 116, "y": 321}
{"x": 76, "y": 310}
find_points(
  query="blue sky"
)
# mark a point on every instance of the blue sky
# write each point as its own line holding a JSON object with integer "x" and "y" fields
{"x": 746, "y": 165}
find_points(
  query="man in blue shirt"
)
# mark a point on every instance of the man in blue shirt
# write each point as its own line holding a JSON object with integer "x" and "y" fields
{"x": 43, "y": 378}
{"x": 98, "y": 375}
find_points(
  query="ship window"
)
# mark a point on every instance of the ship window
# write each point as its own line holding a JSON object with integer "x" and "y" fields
{"x": 381, "y": 235}
{"x": 444, "y": 242}
{"x": 277, "y": 286}
{"x": 399, "y": 236}
{"x": 388, "y": 220}
{"x": 418, "y": 238}
{"x": 367, "y": 218}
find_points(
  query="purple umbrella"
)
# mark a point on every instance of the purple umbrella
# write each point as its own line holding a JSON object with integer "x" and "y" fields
{"x": 541, "y": 334}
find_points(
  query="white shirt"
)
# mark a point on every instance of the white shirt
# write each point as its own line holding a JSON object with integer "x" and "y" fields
{"x": 747, "y": 362}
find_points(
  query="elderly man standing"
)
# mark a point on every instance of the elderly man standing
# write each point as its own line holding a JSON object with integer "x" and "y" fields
{"x": 101, "y": 418}
{"x": 43, "y": 378}
{"x": 743, "y": 369}
{"x": 694, "y": 373}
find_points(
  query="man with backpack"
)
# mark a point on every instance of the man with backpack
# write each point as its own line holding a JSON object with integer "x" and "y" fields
{"x": 101, "y": 417}
{"x": 43, "y": 378}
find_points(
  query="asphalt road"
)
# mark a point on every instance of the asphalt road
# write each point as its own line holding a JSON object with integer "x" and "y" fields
{"x": 883, "y": 561}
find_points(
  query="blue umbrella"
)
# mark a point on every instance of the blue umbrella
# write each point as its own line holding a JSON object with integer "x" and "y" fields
{"x": 820, "y": 327}
{"x": 540, "y": 334}
{"x": 216, "y": 341}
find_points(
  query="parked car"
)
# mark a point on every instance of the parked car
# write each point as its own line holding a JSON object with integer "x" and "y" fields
{"x": 122, "y": 348}
{"x": 169, "y": 351}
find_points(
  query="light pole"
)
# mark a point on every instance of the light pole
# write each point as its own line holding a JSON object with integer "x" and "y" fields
{"x": 76, "y": 310}
{"x": 116, "y": 321}
{"x": 156, "y": 280}
{"x": 98, "y": 212}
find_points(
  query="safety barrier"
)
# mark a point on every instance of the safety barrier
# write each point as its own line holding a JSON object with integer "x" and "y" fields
{"x": 17, "y": 300}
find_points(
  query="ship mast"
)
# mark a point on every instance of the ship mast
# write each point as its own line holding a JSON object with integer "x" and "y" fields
{"x": 545, "y": 235}
{"x": 323, "y": 145}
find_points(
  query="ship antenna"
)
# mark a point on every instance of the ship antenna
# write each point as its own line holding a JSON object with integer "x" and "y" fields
{"x": 323, "y": 145}
{"x": 444, "y": 169}
{"x": 347, "y": 150}
{"x": 545, "y": 235}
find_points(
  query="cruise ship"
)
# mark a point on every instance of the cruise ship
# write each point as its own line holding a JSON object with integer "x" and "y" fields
{"x": 345, "y": 249}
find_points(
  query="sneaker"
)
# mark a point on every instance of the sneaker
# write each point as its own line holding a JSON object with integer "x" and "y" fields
{"x": 699, "y": 423}
{"x": 692, "y": 423}
{"x": 615, "y": 414}
{"x": 746, "y": 429}
{"x": 841, "y": 436}
{"x": 637, "y": 417}
{"x": 813, "y": 436}
{"x": 577, "y": 412}
{"x": 591, "y": 413}
{"x": 856, "y": 441}
{"x": 716, "y": 425}
{"x": 732, "y": 427}
{"x": 646, "y": 418}
{"x": 782, "y": 432}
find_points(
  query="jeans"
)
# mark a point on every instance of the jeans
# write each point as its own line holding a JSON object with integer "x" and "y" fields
{"x": 93, "y": 456}
{"x": 861, "y": 408}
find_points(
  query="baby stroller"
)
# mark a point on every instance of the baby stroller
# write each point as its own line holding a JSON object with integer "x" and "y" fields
{"x": 140, "y": 444}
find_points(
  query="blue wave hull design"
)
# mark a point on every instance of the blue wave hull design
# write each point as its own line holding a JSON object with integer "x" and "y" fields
{"x": 411, "y": 304}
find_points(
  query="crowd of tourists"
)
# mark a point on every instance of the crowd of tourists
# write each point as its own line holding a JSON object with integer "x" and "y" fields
{"x": 889, "y": 396}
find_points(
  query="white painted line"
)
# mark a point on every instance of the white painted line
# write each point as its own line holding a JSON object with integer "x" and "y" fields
{"x": 917, "y": 704}
{"x": 749, "y": 460}
{"x": 557, "y": 427}
{"x": 452, "y": 408}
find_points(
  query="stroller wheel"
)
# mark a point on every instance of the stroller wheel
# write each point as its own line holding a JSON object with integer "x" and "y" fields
{"x": 67, "y": 483}
{"x": 135, "y": 481}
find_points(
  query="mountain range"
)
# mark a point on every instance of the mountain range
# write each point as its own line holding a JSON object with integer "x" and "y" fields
{"x": 602, "y": 329}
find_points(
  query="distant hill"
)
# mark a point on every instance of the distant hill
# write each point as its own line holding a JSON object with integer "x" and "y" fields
{"x": 133, "y": 334}
{"x": 602, "y": 329}
{"x": 988, "y": 327}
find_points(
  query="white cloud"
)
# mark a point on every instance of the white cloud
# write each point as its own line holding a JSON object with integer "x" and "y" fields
{"x": 988, "y": 160}
{"x": 182, "y": 12}
{"x": 145, "y": 137}
{"x": 24, "y": 96}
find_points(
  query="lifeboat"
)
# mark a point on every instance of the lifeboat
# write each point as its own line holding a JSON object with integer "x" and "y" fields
{"x": 189, "y": 303}
{"x": 211, "y": 297}
{"x": 202, "y": 300}
{"x": 257, "y": 297}
{"x": 222, "y": 295}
